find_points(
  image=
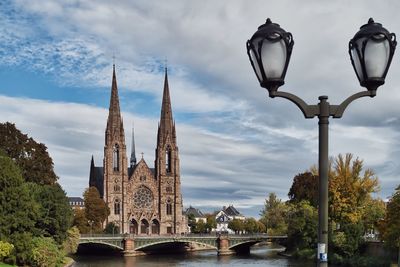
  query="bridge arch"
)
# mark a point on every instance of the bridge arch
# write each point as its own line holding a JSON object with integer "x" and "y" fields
{"x": 114, "y": 246}
{"x": 150, "y": 245}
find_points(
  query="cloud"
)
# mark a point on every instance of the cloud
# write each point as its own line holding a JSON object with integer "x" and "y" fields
{"x": 230, "y": 135}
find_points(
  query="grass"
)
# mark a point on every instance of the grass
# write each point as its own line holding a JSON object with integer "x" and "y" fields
{"x": 6, "y": 265}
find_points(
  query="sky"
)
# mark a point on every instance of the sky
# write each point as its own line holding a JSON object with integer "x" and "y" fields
{"x": 236, "y": 144}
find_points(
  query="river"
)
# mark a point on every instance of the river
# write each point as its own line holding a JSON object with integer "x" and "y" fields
{"x": 259, "y": 256}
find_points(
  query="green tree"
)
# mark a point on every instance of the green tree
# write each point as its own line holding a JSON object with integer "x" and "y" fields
{"x": 111, "y": 228}
{"x": 31, "y": 157}
{"x": 18, "y": 210}
{"x": 302, "y": 226}
{"x": 80, "y": 221}
{"x": 96, "y": 209}
{"x": 70, "y": 245}
{"x": 304, "y": 187}
{"x": 390, "y": 228}
{"x": 55, "y": 212}
{"x": 236, "y": 225}
{"x": 273, "y": 215}
{"x": 200, "y": 227}
{"x": 192, "y": 223}
{"x": 261, "y": 227}
{"x": 211, "y": 222}
{"x": 250, "y": 226}
{"x": 45, "y": 253}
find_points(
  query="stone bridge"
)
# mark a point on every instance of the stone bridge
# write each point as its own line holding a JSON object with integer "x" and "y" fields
{"x": 138, "y": 245}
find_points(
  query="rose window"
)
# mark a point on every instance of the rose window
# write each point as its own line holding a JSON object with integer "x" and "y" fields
{"x": 143, "y": 198}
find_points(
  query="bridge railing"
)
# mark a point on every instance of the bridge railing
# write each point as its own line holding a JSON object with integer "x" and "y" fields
{"x": 102, "y": 235}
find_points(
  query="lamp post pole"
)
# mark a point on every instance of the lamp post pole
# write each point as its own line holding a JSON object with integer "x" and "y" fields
{"x": 371, "y": 51}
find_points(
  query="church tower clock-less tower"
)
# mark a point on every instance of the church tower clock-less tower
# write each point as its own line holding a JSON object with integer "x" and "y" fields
{"x": 115, "y": 161}
{"x": 167, "y": 168}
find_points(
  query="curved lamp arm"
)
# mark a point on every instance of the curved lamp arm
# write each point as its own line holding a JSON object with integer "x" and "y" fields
{"x": 336, "y": 111}
{"x": 309, "y": 111}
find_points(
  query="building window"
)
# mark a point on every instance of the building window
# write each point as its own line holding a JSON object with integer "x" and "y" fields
{"x": 117, "y": 207}
{"x": 117, "y": 188}
{"x": 116, "y": 158}
{"x": 169, "y": 207}
{"x": 168, "y": 189}
{"x": 143, "y": 178}
{"x": 168, "y": 160}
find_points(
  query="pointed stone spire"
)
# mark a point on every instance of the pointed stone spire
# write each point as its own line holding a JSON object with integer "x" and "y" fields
{"x": 166, "y": 121}
{"x": 114, "y": 121}
{"x": 92, "y": 174}
{"x": 133, "y": 153}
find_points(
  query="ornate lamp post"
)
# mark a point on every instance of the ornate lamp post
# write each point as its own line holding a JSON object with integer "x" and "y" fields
{"x": 371, "y": 51}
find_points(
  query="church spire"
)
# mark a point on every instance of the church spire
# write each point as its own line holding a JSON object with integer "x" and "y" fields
{"x": 166, "y": 121}
{"x": 133, "y": 153}
{"x": 114, "y": 121}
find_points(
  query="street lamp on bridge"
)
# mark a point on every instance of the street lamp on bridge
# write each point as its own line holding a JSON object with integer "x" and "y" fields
{"x": 371, "y": 51}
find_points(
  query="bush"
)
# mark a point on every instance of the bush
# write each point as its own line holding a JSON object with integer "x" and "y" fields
{"x": 70, "y": 245}
{"x": 5, "y": 249}
{"x": 45, "y": 253}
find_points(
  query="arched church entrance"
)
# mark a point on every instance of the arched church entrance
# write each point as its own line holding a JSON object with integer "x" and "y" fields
{"x": 133, "y": 227}
{"x": 144, "y": 227}
{"x": 155, "y": 227}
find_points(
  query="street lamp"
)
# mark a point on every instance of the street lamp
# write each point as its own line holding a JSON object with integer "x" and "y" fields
{"x": 371, "y": 51}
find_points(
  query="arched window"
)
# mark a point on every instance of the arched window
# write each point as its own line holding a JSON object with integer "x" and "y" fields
{"x": 169, "y": 207}
{"x": 117, "y": 188}
{"x": 116, "y": 158}
{"x": 168, "y": 159}
{"x": 117, "y": 207}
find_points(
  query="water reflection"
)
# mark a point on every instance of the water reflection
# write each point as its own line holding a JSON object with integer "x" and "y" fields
{"x": 259, "y": 256}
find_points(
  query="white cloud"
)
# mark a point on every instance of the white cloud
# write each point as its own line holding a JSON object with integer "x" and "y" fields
{"x": 237, "y": 136}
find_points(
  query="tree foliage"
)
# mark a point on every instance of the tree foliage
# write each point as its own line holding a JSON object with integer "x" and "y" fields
{"x": 273, "y": 215}
{"x": 390, "y": 228}
{"x": 31, "y": 157}
{"x": 80, "y": 221}
{"x": 236, "y": 225}
{"x": 45, "y": 253}
{"x": 302, "y": 225}
{"x": 55, "y": 212}
{"x": 304, "y": 187}
{"x": 352, "y": 210}
{"x": 96, "y": 210}
{"x": 5, "y": 249}
{"x": 251, "y": 226}
{"x": 70, "y": 245}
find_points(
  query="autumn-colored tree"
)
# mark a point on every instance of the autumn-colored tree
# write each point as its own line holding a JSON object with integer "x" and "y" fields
{"x": 349, "y": 189}
{"x": 304, "y": 187}
{"x": 31, "y": 157}
{"x": 80, "y": 221}
{"x": 96, "y": 210}
{"x": 273, "y": 215}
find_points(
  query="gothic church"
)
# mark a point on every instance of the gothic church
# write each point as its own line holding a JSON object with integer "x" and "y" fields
{"x": 141, "y": 200}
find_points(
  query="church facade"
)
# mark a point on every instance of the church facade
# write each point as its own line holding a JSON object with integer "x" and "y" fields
{"x": 142, "y": 200}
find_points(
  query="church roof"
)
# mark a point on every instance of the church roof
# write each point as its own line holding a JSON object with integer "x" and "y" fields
{"x": 196, "y": 212}
{"x": 231, "y": 211}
